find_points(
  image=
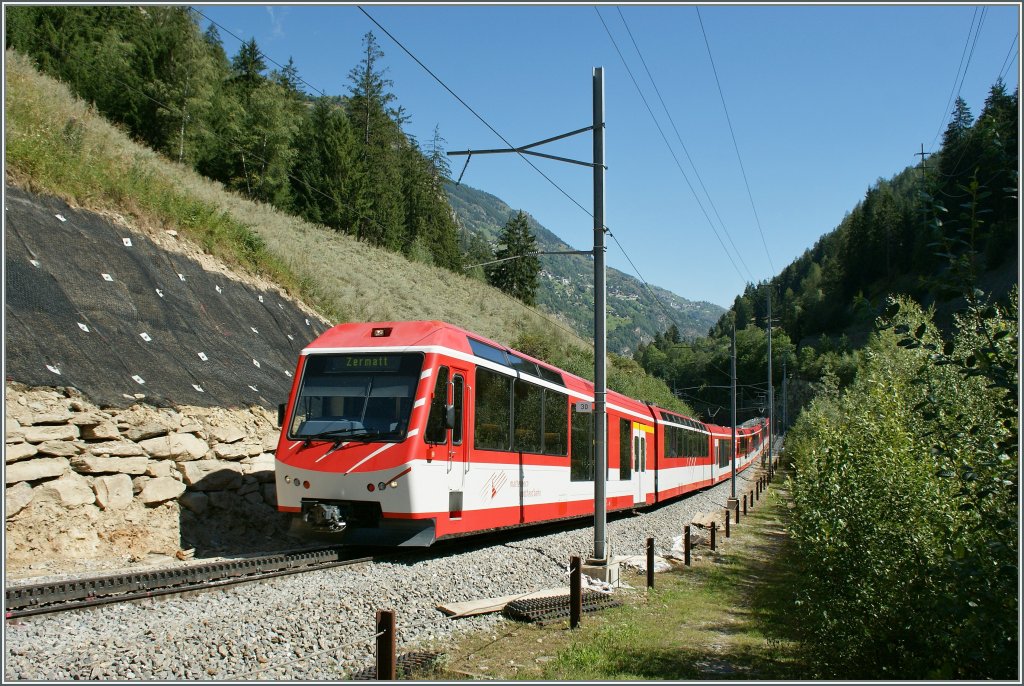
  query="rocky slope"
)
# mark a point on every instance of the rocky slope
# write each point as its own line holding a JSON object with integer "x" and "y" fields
{"x": 91, "y": 488}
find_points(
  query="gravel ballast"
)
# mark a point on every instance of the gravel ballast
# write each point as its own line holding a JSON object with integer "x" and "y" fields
{"x": 320, "y": 625}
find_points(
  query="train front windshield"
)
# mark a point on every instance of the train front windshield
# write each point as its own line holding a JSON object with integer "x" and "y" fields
{"x": 357, "y": 396}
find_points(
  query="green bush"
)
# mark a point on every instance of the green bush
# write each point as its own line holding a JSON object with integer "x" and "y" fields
{"x": 905, "y": 505}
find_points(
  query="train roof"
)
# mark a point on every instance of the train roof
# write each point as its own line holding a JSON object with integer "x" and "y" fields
{"x": 413, "y": 335}
{"x": 745, "y": 429}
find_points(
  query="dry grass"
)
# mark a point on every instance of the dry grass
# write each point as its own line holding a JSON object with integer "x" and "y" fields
{"x": 57, "y": 144}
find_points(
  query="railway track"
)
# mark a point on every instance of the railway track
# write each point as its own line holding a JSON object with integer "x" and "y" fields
{"x": 71, "y": 594}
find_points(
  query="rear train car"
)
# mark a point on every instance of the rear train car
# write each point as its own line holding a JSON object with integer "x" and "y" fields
{"x": 404, "y": 433}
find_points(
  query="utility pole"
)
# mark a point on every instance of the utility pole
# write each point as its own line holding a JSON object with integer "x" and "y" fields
{"x": 924, "y": 210}
{"x": 599, "y": 563}
{"x": 771, "y": 394}
{"x": 785, "y": 398}
{"x": 600, "y": 342}
{"x": 732, "y": 491}
{"x": 921, "y": 155}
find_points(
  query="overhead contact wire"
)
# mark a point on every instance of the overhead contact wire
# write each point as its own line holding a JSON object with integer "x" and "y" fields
{"x": 671, "y": 120}
{"x": 667, "y": 145}
{"x": 525, "y": 159}
{"x": 956, "y": 78}
{"x": 471, "y": 110}
{"x": 746, "y": 183}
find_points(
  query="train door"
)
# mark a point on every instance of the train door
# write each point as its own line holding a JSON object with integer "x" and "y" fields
{"x": 642, "y": 442}
{"x": 457, "y": 465}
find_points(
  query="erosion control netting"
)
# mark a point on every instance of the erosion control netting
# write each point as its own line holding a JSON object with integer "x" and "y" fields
{"x": 94, "y": 306}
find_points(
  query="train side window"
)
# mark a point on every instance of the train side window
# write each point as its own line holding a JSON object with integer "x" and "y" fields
{"x": 625, "y": 474}
{"x": 556, "y": 423}
{"x": 581, "y": 463}
{"x": 527, "y": 408}
{"x": 492, "y": 426}
{"x": 643, "y": 453}
{"x": 435, "y": 432}
{"x": 458, "y": 384}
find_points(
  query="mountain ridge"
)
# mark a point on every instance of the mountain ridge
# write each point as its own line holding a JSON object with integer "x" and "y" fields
{"x": 636, "y": 312}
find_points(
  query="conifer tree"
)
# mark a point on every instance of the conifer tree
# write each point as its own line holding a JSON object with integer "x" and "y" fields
{"x": 997, "y": 126}
{"x": 519, "y": 276}
{"x": 248, "y": 65}
{"x": 369, "y": 97}
{"x": 259, "y": 131}
{"x": 379, "y": 190}
{"x": 437, "y": 155}
{"x": 960, "y": 152}
{"x": 325, "y": 169}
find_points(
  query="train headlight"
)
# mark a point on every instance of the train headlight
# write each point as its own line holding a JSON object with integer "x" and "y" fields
{"x": 287, "y": 479}
{"x": 382, "y": 485}
{"x": 371, "y": 488}
{"x": 394, "y": 484}
{"x": 297, "y": 484}
{"x": 305, "y": 484}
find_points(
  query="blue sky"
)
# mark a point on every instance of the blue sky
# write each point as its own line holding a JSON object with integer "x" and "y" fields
{"x": 823, "y": 100}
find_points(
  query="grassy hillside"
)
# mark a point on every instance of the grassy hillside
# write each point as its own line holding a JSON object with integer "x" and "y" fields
{"x": 57, "y": 144}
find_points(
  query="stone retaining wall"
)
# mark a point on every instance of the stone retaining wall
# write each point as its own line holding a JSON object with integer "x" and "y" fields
{"x": 90, "y": 482}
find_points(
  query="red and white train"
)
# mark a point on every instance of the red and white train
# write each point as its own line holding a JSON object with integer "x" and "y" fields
{"x": 405, "y": 433}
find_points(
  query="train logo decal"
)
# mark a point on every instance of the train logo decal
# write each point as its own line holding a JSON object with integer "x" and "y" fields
{"x": 494, "y": 484}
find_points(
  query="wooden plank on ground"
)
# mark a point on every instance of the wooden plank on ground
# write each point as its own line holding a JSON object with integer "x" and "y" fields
{"x": 705, "y": 519}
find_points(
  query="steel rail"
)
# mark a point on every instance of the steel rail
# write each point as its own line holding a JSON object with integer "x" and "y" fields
{"x": 69, "y": 594}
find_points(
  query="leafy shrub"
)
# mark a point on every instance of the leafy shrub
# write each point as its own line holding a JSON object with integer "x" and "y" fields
{"x": 905, "y": 504}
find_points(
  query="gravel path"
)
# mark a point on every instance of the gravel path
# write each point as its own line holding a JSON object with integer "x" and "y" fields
{"x": 319, "y": 625}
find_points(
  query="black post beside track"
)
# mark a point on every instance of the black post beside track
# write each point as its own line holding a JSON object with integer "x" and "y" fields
{"x": 387, "y": 655}
{"x": 650, "y": 563}
{"x": 575, "y": 591}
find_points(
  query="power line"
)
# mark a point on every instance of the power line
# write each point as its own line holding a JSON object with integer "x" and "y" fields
{"x": 472, "y": 111}
{"x": 1008, "y": 66}
{"x": 234, "y": 145}
{"x": 1003, "y": 69}
{"x": 734, "y": 144}
{"x": 945, "y": 110}
{"x": 671, "y": 317}
{"x": 668, "y": 145}
{"x": 970, "y": 55}
{"x": 683, "y": 145}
